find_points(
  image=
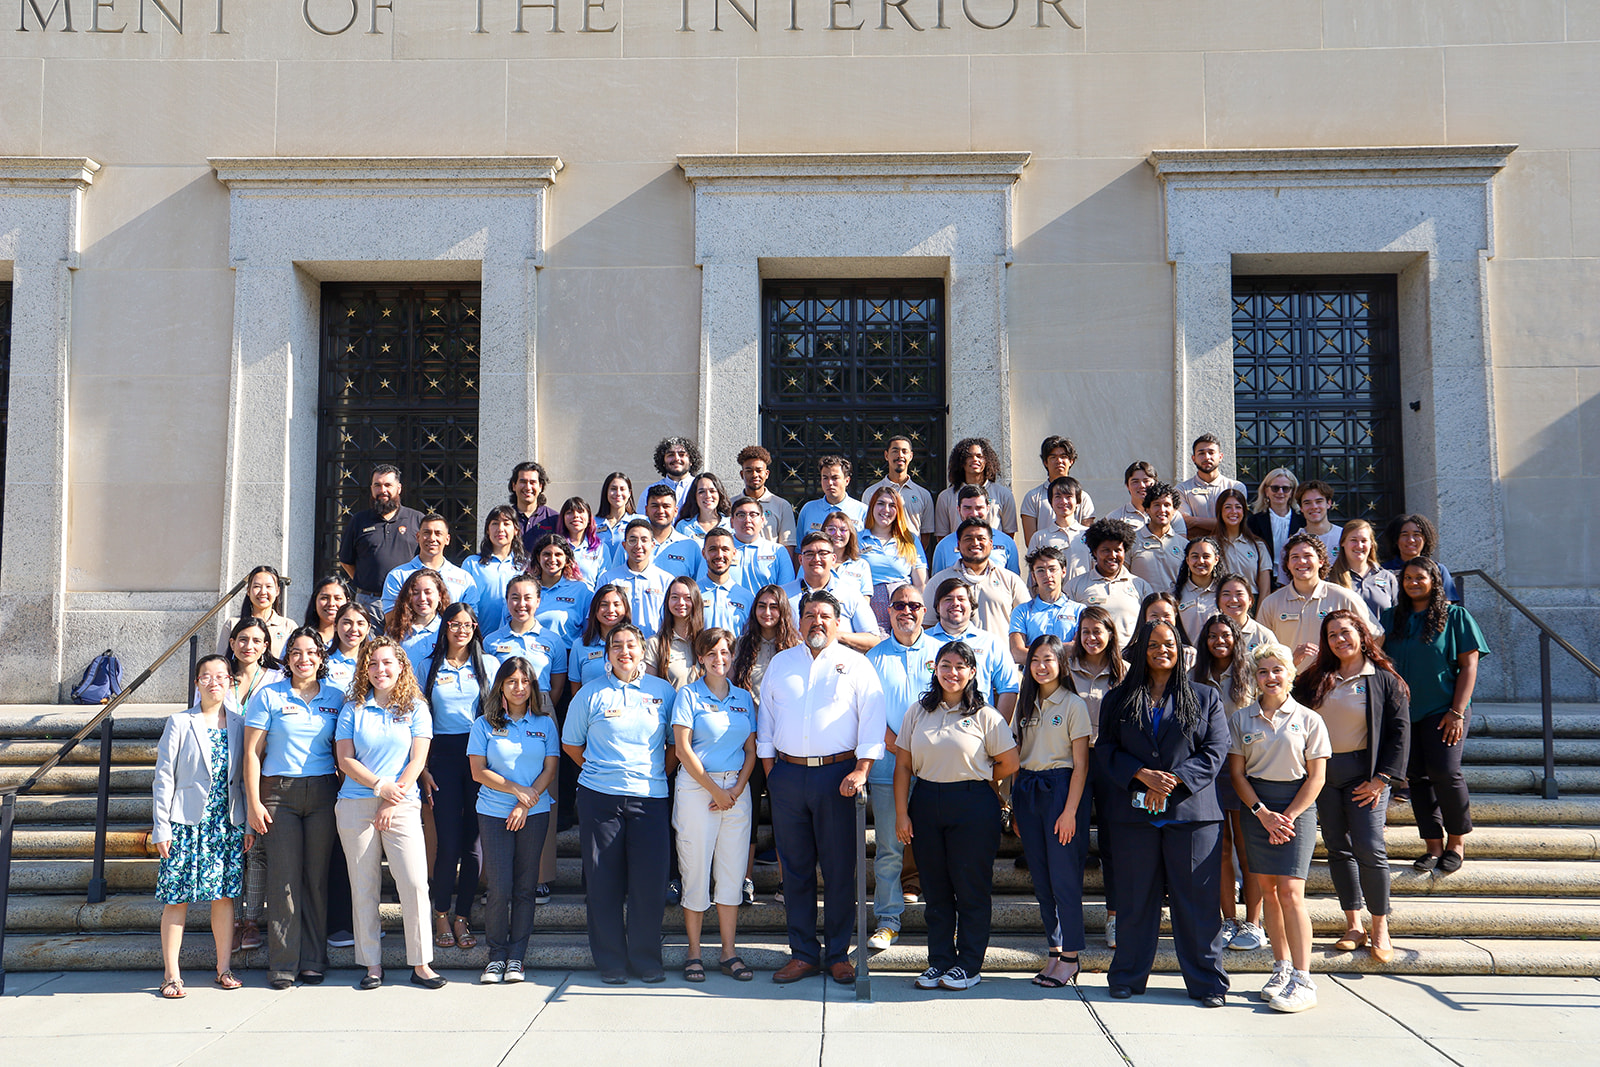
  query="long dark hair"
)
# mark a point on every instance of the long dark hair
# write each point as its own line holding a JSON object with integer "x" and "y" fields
{"x": 591, "y": 535}
{"x": 1028, "y": 697}
{"x": 1132, "y": 699}
{"x": 493, "y": 705}
{"x": 591, "y": 627}
{"x": 1312, "y": 686}
{"x": 268, "y": 660}
{"x": 1094, "y": 613}
{"x": 690, "y": 508}
{"x": 1438, "y": 609}
{"x": 441, "y": 649}
{"x": 604, "y": 511}
{"x": 316, "y": 639}
{"x": 1183, "y": 569}
{"x": 669, "y": 623}
{"x": 401, "y": 617}
{"x": 971, "y": 699}
{"x": 958, "y": 461}
{"x": 744, "y": 654}
{"x": 311, "y": 604}
{"x": 1162, "y": 597}
{"x": 245, "y": 607}
{"x": 1238, "y": 674}
{"x": 519, "y": 551}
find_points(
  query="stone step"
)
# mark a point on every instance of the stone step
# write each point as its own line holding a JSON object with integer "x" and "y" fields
{"x": 137, "y": 752}
{"x": 1569, "y": 754}
{"x": 1486, "y": 877}
{"x": 61, "y": 721}
{"x": 1434, "y": 917}
{"x": 1481, "y": 778}
{"x": 130, "y": 840}
{"x": 1488, "y": 956}
{"x": 1575, "y": 721}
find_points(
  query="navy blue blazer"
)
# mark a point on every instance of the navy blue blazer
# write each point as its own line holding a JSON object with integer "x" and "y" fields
{"x": 1125, "y": 747}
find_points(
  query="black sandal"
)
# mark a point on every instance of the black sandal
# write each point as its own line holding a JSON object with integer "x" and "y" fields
{"x": 1041, "y": 980}
{"x": 694, "y": 970}
{"x": 734, "y": 967}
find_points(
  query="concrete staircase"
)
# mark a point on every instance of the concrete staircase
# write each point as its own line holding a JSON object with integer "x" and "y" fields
{"x": 1527, "y": 901}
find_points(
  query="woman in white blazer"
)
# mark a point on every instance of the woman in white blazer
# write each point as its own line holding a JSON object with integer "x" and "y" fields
{"x": 199, "y": 821}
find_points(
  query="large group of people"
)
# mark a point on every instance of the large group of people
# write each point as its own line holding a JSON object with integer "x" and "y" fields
{"x": 1204, "y": 679}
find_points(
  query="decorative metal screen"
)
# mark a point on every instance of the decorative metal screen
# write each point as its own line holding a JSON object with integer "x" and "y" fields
{"x": 399, "y": 385}
{"x": 5, "y": 381}
{"x": 846, "y": 366}
{"x": 1317, "y": 386}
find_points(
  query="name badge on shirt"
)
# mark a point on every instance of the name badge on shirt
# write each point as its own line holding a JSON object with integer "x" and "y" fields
{"x": 290, "y": 709}
{"x": 1284, "y": 616}
{"x": 499, "y": 731}
{"x": 1294, "y": 728}
{"x": 1251, "y": 739}
{"x": 505, "y": 646}
{"x": 612, "y": 713}
{"x": 1358, "y": 689}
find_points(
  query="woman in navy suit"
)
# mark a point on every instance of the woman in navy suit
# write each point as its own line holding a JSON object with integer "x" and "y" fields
{"x": 1163, "y": 740}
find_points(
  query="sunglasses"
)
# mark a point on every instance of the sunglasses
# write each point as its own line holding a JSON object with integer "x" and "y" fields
{"x": 905, "y": 605}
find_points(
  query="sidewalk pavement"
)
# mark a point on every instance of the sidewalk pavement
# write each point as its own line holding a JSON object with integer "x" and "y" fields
{"x": 558, "y": 1017}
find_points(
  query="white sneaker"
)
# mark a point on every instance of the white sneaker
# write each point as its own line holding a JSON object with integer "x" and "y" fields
{"x": 1298, "y": 995}
{"x": 882, "y": 938}
{"x": 929, "y": 979}
{"x": 1111, "y": 931}
{"x": 1248, "y": 937}
{"x": 958, "y": 978}
{"x": 1282, "y": 973}
{"x": 1225, "y": 934}
{"x": 513, "y": 971}
{"x": 493, "y": 974}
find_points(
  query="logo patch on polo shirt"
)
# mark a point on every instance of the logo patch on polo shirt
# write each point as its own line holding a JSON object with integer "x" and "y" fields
{"x": 1294, "y": 728}
{"x": 838, "y": 668}
{"x": 1056, "y": 721}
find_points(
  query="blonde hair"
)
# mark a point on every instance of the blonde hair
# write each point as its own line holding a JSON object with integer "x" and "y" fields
{"x": 406, "y": 691}
{"x": 1272, "y": 650}
{"x": 1261, "y": 501}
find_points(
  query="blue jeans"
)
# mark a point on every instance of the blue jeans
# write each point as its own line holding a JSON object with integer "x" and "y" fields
{"x": 887, "y": 902}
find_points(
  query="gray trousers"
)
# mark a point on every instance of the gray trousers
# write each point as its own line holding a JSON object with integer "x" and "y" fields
{"x": 299, "y": 844}
{"x": 1358, "y": 861}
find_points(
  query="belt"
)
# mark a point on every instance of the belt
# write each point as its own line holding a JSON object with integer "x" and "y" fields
{"x": 816, "y": 761}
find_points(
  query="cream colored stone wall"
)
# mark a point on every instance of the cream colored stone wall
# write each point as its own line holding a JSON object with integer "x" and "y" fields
{"x": 1088, "y": 293}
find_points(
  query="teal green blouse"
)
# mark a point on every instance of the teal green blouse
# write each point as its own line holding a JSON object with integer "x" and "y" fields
{"x": 1430, "y": 666}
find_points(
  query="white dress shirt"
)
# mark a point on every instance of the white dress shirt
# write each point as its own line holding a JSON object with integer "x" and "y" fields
{"x": 820, "y": 706}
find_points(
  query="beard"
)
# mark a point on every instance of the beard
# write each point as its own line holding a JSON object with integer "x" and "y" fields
{"x": 817, "y": 641}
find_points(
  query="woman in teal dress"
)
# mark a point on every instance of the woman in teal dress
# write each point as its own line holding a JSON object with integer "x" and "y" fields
{"x": 1436, "y": 647}
{"x": 199, "y": 821}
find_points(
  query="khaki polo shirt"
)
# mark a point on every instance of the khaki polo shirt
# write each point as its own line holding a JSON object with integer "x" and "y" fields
{"x": 1344, "y": 709}
{"x": 1157, "y": 559}
{"x": 1297, "y": 620}
{"x": 954, "y": 746}
{"x": 1047, "y": 735}
{"x": 1092, "y": 685}
{"x": 1244, "y": 557}
{"x": 1195, "y": 606}
{"x": 995, "y": 595}
{"x": 1275, "y": 747}
{"x": 1120, "y": 596}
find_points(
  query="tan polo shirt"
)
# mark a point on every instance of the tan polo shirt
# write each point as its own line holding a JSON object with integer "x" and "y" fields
{"x": 1200, "y": 497}
{"x": 1297, "y": 620}
{"x": 1092, "y": 684}
{"x": 1195, "y": 606}
{"x": 1157, "y": 559}
{"x": 1344, "y": 709}
{"x": 996, "y": 594}
{"x": 1275, "y": 747}
{"x": 954, "y": 746}
{"x": 1047, "y": 735}
{"x": 1243, "y": 557}
{"x": 1120, "y": 596}
{"x": 681, "y": 666}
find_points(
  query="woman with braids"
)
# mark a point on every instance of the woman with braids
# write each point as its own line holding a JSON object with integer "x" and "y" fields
{"x": 1050, "y": 801}
{"x": 1436, "y": 647}
{"x": 1366, "y": 706}
{"x": 1163, "y": 741}
{"x": 381, "y": 744}
{"x": 974, "y": 461}
{"x": 1222, "y": 661}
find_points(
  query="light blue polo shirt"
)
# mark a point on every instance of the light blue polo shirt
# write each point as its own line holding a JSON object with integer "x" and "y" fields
{"x": 696, "y": 529}
{"x": 383, "y": 746}
{"x": 299, "y": 733}
{"x": 816, "y": 512}
{"x": 586, "y": 663}
{"x": 947, "y": 554}
{"x": 859, "y": 571}
{"x": 727, "y": 606}
{"x": 490, "y": 580}
{"x": 622, "y": 727}
{"x": 906, "y": 671}
{"x": 854, "y": 612}
{"x": 611, "y": 533}
{"x": 459, "y": 582}
{"x": 539, "y": 646}
{"x": 717, "y": 728}
{"x": 997, "y": 671}
{"x": 1038, "y": 617}
{"x": 647, "y": 592}
{"x": 418, "y": 644}
{"x": 761, "y": 562}
{"x": 517, "y": 754}
{"x": 341, "y": 671}
{"x": 591, "y": 561}
{"x": 563, "y": 608}
{"x": 458, "y": 695}
{"x": 888, "y": 566}
{"x": 679, "y": 555}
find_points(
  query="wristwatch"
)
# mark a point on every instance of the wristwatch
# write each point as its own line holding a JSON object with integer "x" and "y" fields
{"x": 1258, "y": 807}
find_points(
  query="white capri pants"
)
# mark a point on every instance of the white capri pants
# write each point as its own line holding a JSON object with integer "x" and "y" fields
{"x": 711, "y": 842}
{"x": 364, "y": 848}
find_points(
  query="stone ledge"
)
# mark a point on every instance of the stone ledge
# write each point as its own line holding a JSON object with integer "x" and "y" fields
{"x": 997, "y": 167}
{"x": 46, "y": 172}
{"x": 243, "y": 173}
{"x": 1430, "y": 164}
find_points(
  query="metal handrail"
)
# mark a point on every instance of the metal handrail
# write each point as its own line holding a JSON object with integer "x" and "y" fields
{"x": 101, "y": 720}
{"x": 1546, "y": 696}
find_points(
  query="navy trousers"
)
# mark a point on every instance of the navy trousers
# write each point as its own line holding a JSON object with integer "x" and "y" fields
{"x": 815, "y": 826}
{"x": 625, "y": 844}
{"x": 1105, "y": 795}
{"x": 512, "y": 861}
{"x": 1037, "y": 801}
{"x": 957, "y": 828}
{"x": 1183, "y": 863}
{"x": 458, "y": 860}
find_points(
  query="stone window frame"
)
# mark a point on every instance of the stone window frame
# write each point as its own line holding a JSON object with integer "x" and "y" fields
{"x": 297, "y": 222}
{"x": 41, "y": 216}
{"x": 1423, "y": 213}
{"x": 853, "y": 215}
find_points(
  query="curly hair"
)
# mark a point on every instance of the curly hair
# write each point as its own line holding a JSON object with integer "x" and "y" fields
{"x": 1303, "y": 538}
{"x": 406, "y": 690}
{"x": 1434, "y": 615}
{"x": 958, "y": 461}
{"x": 402, "y": 616}
{"x": 677, "y": 442}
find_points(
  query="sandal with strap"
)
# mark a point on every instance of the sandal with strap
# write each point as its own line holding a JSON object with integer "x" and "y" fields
{"x": 226, "y": 980}
{"x": 446, "y": 939}
{"x": 736, "y": 968}
{"x": 1041, "y": 979}
{"x": 694, "y": 970}
{"x": 172, "y": 989}
{"x": 463, "y": 932}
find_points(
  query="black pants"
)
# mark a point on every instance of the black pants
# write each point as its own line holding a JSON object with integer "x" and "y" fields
{"x": 1183, "y": 863}
{"x": 1358, "y": 861}
{"x": 625, "y": 844}
{"x": 815, "y": 826}
{"x": 458, "y": 858}
{"x": 957, "y": 833}
{"x": 298, "y": 843}
{"x": 1037, "y": 801}
{"x": 1438, "y": 791}
{"x": 341, "y": 910}
{"x": 1105, "y": 795}
{"x": 511, "y": 861}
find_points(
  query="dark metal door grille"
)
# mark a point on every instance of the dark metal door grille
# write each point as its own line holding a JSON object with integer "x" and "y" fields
{"x": 845, "y": 366}
{"x": 1317, "y": 386}
{"x": 399, "y": 385}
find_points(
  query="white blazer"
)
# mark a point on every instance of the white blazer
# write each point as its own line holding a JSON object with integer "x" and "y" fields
{"x": 183, "y": 772}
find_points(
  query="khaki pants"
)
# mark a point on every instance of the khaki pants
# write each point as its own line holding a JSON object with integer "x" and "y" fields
{"x": 402, "y": 845}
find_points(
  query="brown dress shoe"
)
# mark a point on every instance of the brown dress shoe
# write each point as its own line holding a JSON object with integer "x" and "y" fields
{"x": 795, "y": 970}
{"x": 843, "y": 972}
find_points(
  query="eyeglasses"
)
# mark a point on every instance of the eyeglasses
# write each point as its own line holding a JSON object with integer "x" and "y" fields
{"x": 461, "y": 626}
{"x": 1279, "y": 488}
{"x": 905, "y": 605}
